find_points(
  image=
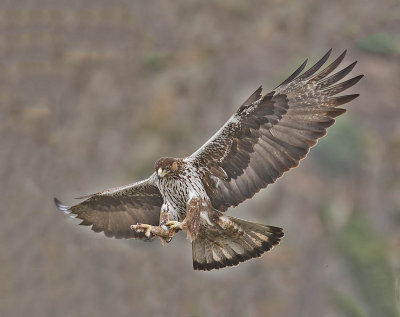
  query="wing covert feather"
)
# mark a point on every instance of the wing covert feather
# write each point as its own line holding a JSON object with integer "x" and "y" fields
{"x": 270, "y": 134}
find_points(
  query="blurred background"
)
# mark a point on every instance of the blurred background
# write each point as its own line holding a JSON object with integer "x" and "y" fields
{"x": 93, "y": 92}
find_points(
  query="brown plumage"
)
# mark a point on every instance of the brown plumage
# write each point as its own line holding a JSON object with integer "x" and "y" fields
{"x": 268, "y": 135}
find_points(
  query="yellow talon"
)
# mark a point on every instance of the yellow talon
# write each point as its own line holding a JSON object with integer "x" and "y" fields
{"x": 175, "y": 225}
{"x": 140, "y": 227}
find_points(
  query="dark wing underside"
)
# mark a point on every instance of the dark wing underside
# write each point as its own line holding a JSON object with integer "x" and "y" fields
{"x": 270, "y": 134}
{"x": 114, "y": 210}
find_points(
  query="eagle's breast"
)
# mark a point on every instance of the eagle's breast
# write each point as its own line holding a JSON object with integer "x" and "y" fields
{"x": 178, "y": 188}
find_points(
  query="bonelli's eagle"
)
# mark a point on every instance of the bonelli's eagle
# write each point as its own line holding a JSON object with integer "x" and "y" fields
{"x": 268, "y": 135}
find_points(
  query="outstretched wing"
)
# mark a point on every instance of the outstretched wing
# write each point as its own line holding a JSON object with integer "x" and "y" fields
{"x": 270, "y": 134}
{"x": 114, "y": 210}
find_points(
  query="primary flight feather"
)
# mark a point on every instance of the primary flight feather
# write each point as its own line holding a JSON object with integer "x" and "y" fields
{"x": 265, "y": 137}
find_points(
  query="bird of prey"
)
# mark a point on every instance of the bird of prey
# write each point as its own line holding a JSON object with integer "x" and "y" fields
{"x": 268, "y": 135}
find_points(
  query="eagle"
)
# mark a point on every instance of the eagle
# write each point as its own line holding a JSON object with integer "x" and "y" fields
{"x": 268, "y": 135}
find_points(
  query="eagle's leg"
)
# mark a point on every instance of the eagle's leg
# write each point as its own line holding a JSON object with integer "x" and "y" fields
{"x": 152, "y": 231}
{"x": 174, "y": 227}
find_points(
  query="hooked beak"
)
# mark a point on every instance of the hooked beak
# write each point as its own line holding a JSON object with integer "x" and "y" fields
{"x": 161, "y": 173}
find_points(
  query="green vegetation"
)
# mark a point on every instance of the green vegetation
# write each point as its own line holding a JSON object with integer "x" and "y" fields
{"x": 341, "y": 150}
{"x": 156, "y": 62}
{"x": 380, "y": 43}
{"x": 369, "y": 267}
{"x": 346, "y": 304}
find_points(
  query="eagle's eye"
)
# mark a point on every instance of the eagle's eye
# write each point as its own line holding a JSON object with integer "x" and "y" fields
{"x": 162, "y": 172}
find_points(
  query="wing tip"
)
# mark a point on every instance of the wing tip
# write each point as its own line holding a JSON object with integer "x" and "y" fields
{"x": 340, "y": 100}
{"x": 296, "y": 73}
{"x": 64, "y": 208}
{"x": 327, "y": 55}
{"x": 351, "y": 66}
{"x": 341, "y": 56}
{"x": 358, "y": 78}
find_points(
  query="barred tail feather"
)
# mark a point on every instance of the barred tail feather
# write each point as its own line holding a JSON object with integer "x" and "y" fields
{"x": 232, "y": 241}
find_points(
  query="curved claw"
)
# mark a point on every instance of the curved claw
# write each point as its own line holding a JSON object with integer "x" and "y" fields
{"x": 174, "y": 225}
{"x": 136, "y": 227}
{"x": 165, "y": 232}
{"x": 140, "y": 227}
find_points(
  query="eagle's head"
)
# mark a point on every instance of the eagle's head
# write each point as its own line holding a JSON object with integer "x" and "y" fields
{"x": 166, "y": 165}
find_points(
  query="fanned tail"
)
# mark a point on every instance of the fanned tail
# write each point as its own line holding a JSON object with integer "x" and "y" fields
{"x": 232, "y": 241}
